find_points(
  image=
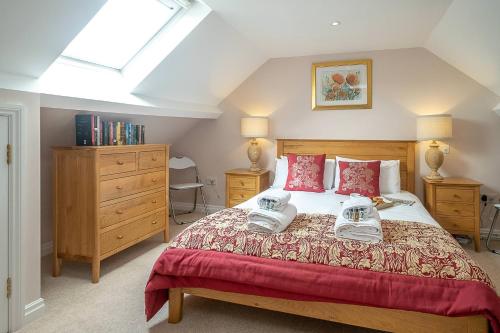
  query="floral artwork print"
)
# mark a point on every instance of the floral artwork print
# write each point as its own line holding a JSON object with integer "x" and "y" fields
{"x": 341, "y": 85}
{"x": 305, "y": 173}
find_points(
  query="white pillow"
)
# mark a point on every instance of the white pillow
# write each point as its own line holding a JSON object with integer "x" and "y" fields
{"x": 281, "y": 173}
{"x": 389, "y": 181}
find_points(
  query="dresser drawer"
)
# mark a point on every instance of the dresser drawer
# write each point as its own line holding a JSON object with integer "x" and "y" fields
{"x": 233, "y": 203}
{"x": 116, "y": 163}
{"x": 238, "y": 182}
{"x": 113, "y": 239}
{"x": 151, "y": 159}
{"x": 454, "y": 194}
{"x": 124, "y": 210}
{"x": 241, "y": 195}
{"x": 454, "y": 209}
{"x": 120, "y": 187}
{"x": 456, "y": 224}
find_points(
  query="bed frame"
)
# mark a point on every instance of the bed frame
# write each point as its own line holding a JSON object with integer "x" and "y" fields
{"x": 357, "y": 315}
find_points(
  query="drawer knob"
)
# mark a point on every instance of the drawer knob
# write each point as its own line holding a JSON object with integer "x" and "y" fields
{"x": 154, "y": 222}
{"x": 154, "y": 180}
{"x": 119, "y": 237}
{"x": 154, "y": 159}
{"x": 119, "y": 162}
{"x": 119, "y": 211}
{"x": 241, "y": 196}
{"x": 242, "y": 183}
{"x": 119, "y": 187}
{"x": 153, "y": 201}
{"x": 456, "y": 196}
{"x": 456, "y": 211}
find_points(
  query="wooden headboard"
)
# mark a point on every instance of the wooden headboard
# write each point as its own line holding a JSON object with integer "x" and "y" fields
{"x": 404, "y": 151}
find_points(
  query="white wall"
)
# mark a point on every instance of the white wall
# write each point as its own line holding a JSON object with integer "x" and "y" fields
{"x": 30, "y": 192}
{"x": 406, "y": 83}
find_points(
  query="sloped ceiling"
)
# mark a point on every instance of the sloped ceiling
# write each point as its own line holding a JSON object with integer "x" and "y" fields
{"x": 34, "y": 33}
{"x": 286, "y": 28}
{"x": 239, "y": 35}
{"x": 209, "y": 63}
{"x": 468, "y": 37}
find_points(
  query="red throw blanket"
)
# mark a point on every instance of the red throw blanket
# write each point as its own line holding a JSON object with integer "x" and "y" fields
{"x": 418, "y": 267}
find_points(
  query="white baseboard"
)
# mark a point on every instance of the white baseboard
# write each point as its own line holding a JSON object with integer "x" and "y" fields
{"x": 186, "y": 206}
{"x": 34, "y": 310}
{"x": 46, "y": 248}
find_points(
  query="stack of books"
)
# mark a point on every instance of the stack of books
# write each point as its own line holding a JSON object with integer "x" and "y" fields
{"x": 91, "y": 130}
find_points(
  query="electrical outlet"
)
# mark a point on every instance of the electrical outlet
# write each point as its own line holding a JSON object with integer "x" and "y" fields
{"x": 445, "y": 148}
{"x": 211, "y": 181}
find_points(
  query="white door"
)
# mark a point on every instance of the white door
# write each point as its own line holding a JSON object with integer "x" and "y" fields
{"x": 4, "y": 224}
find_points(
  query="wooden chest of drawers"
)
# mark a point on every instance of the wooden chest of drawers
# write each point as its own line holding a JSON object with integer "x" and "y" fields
{"x": 454, "y": 203}
{"x": 242, "y": 184}
{"x": 107, "y": 199}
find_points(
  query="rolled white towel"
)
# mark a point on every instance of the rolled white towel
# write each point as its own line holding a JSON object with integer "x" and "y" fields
{"x": 359, "y": 206}
{"x": 274, "y": 200}
{"x": 369, "y": 230}
{"x": 270, "y": 221}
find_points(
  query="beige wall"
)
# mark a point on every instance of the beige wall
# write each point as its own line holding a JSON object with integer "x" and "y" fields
{"x": 30, "y": 191}
{"x": 58, "y": 128}
{"x": 406, "y": 83}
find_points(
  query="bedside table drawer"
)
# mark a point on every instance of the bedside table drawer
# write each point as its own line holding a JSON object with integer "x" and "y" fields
{"x": 238, "y": 182}
{"x": 454, "y": 209}
{"x": 454, "y": 194}
{"x": 456, "y": 224}
{"x": 241, "y": 195}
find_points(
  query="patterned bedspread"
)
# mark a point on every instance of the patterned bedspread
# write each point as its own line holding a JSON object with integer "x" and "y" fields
{"x": 417, "y": 267}
{"x": 409, "y": 248}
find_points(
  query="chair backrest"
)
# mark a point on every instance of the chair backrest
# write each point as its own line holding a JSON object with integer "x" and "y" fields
{"x": 180, "y": 163}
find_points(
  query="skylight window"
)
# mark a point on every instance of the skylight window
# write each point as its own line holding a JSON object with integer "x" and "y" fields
{"x": 119, "y": 30}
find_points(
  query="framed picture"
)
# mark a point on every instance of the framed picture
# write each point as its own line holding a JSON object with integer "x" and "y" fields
{"x": 341, "y": 85}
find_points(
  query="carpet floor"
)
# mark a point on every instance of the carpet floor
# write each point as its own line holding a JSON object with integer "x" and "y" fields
{"x": 116, "y": 303}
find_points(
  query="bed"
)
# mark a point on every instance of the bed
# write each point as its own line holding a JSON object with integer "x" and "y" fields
{"x": 365, "y": 298}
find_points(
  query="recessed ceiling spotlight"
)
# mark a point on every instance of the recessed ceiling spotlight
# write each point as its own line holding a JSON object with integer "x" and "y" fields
{"x": 335, "y": 23}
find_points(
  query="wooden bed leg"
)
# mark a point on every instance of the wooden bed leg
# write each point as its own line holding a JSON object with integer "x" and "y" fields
{"x": 175, "y": 300}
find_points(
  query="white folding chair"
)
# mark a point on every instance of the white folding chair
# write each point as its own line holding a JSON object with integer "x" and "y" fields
{"x": 184, "y": 163}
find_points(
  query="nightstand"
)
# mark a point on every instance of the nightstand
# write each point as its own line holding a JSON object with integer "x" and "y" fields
{"x": 454, "y": 203}
{"x": 242, "y": 184}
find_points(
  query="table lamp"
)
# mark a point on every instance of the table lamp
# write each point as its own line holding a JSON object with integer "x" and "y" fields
{"x": 434, "y": 127}
{"x": 254, "y": 128}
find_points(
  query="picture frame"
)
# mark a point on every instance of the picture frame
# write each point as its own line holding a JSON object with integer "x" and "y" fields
{"x": 342, "y": 85}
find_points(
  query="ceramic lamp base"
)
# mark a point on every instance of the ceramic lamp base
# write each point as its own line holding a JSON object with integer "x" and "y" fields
{"x": 434, "y": 158}
{"x": 254, "y": 152}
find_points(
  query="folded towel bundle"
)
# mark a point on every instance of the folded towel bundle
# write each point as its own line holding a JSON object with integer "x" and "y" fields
{"x": 274, "y": 200}
{"x": 271, "y": 221}
{"x": 359, "y": 220}
{"x": 357, "y": 208}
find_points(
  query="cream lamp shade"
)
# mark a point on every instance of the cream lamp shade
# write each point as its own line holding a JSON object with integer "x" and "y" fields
{"x": 254, "y": 128}
{"x": 434, "y": 127}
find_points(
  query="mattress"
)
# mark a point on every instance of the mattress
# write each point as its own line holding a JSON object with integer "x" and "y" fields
{"x": 329, "y": 202}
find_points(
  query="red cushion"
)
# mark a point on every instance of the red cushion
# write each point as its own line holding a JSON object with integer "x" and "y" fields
{"x": 359, "y": 177}
{"x": 305, "y": 173}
